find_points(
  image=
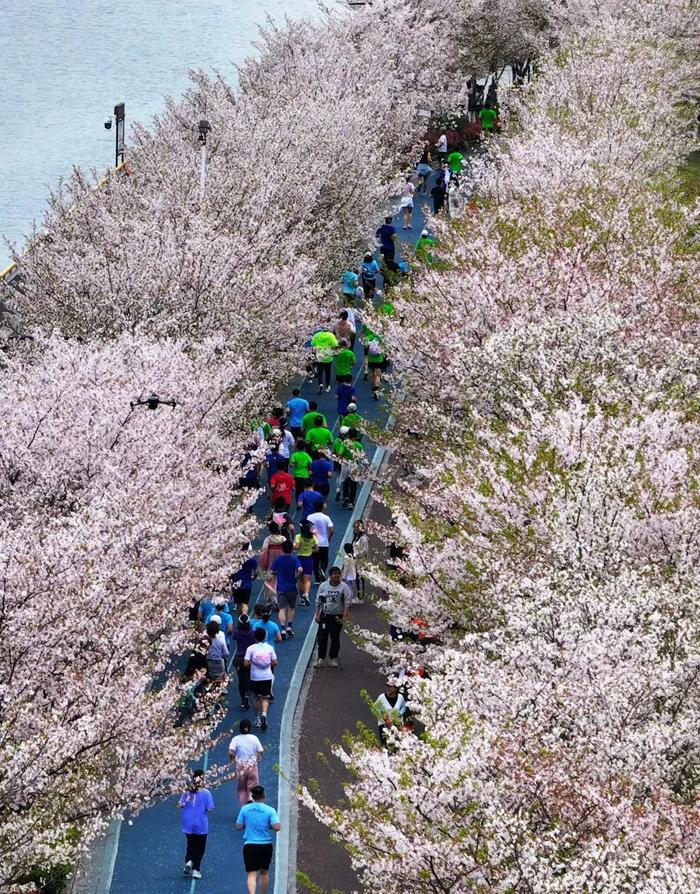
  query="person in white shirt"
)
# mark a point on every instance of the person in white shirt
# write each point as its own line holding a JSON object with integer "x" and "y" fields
{"x": 390, "y": 709}
{"x": 407, "y": 193}
{"x": 246, "y": 752}
{"x": 261, "y": 658}
{"x": 441, "y": 147}
{"x": 322, "y": 526}
{"x": 349, "y": 572}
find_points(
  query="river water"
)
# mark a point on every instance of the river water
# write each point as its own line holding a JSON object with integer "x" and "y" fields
{"x": 66, "y": 63}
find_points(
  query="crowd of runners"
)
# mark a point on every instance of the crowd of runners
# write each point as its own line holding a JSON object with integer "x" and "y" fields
{"x": 304, "y": 462}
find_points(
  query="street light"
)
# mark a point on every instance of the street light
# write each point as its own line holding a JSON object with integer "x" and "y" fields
{"x": 152, "y": 402}
{"x": 204, "y": 128}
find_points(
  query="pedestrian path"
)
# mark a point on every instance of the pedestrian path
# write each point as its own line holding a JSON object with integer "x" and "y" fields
{"x": 149, "y": 854}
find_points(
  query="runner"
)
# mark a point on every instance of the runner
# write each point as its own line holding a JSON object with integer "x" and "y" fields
{"x": 281, "y": 488}
{"x": 386, "y": 234}
{"x": 325, "y": 344}
{"x": 246, "y": 751}
{"x": 351, "y": 281}
{"x": 243, "y": 637}
{"x": 344, "y": 362}
{"x": 261, "y": 659}
{"x": 297, "y": 408}
{"x": 441, "y": 147}
{"x": 309, "y": 418}
{"x": 438, "y": 194}
{"x": 306, "y": 545}
{"x": 345, "y": 394}
{"x": 322, "y": 526}
{"x": 407, "y": 192}
{"x": 258, "y": 822}
{"x": 321, "y": 474}
{"x": 424, "y": 169}
{"x": 300, "y": 465}
{"x": 196, "y": 803}
{"x": 287, "y": 569}
{"x": 370, "y": 269}
{"x": 344, "y": 329}
{"x": 311, "y": 500}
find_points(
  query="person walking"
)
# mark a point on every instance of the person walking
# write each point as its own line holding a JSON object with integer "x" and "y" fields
{"x": 344, "y": 329}
{"x": 360, "y": 544}
{"x": 322, "y": 526}
{"x": 287, "y": 569}
{"x": 257, "y": 821}
{"x": 246, "y": 752}
{"x": 455, "y": 200}
{"x": 332, "y": 609}
{"x": 349, "y": 572}
{"x": 217, "y": 652}
{"x": 487, "y": 117}
{"x": 407, "y": 192}
{"x": 195, "y": 803}
{"x": 243, "y": 637}
{"x": 306, "y": 545}
{"x": 261, "y": 659}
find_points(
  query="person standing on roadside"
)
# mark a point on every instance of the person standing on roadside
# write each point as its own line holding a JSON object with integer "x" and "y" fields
{"x": 246, "y": 752}
{"x": 322, "y": 526}
{"x": 332, "y": 609}
{"x": 261, "y": 659}
{"x": 195, "y": 804}
{"x": 360, "y": 545}
{"x": 257, "y": 821}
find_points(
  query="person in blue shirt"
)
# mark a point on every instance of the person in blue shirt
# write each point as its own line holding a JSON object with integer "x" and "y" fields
{"x": 273, "y": 633}
{"x": 257, "y": 821}
{"x": 298, "y": 408}
{"x": 321, "y": 473}
{"x": 370, "y": 269}
{"x": 287, "y": 570}
{"x": 272, "y": 461}
{"x": 346, "y": 395}
{"x": 350, "y": 283}
{"x": 242, "y": 581}
{"x": 310, "y": 501}
{"x": 209, "y": 606}
{"x": 225, "y": 616}
{"x": 387, "y": 245}
{"x": 195, "y": 804}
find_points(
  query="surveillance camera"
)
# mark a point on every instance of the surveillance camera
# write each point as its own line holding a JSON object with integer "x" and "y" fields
{"x": 108, "y": 123}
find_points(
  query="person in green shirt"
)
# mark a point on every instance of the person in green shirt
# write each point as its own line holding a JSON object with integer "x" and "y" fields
{"x": 352, "y": 419}
{"x": 344, "y": 361}
{"x": 300, "y": 467}
{"x": 454, "y": 160}
{"x": 325, "y": 344}
{"x": 488, "y": 117}
{"x": 319, "y": 436}
{"x": 309, "y": 419}
{"x": 423, "y": 247}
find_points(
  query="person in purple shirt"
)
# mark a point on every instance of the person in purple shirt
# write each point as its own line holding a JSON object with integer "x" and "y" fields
{"x": 310, "y": 501}
{"x": 243, "y": 636}
{"x": 346, "y": 395}
{"x": 195, "y": 804}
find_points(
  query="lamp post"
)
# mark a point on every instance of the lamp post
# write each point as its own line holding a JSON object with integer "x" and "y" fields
{"x": 120, "y": 135}
{"x": 204, "y": 128}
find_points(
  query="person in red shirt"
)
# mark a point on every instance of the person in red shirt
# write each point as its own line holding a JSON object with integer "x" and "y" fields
{"x": 281, "y": 488}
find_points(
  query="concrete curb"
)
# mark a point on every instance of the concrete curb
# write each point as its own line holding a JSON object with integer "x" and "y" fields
{"x": 285, "y": 861}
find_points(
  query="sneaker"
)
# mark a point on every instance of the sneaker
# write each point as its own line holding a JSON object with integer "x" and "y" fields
{"x": 366, "y": 376}
{"x": 196, "y": 873}
{"x": 246, "y": 703}
{"x": 375, "y": 396}
{"x": 305, "y": 600}
{"x": 257, "y": 722}
{"x": 283, "y": 634}
{"x": 188, "y": 868}
{"x": 320, "y": 389}
{"x": 290, "y": 633}
{"x": 333, "y": 662}
{"x": 328, "y": 388}
{"x": 271, "y": 697}
{"x": 337, "y": 496}
{"x": 320, "y": 662}
{"x": 263, "y": 722}
{"x": 351, "y": 505}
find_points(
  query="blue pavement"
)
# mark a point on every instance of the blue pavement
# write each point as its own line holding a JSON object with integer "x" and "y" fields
{"x": 151, "y": 848}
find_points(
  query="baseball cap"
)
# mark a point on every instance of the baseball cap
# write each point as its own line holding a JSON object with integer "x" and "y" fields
{"x": 344, "y": 429}
{"x": 425, "y": 233}
{"x": 219, "y": 602}
{"x": 352, "y": 407}
{"x": 216, "y": 618}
